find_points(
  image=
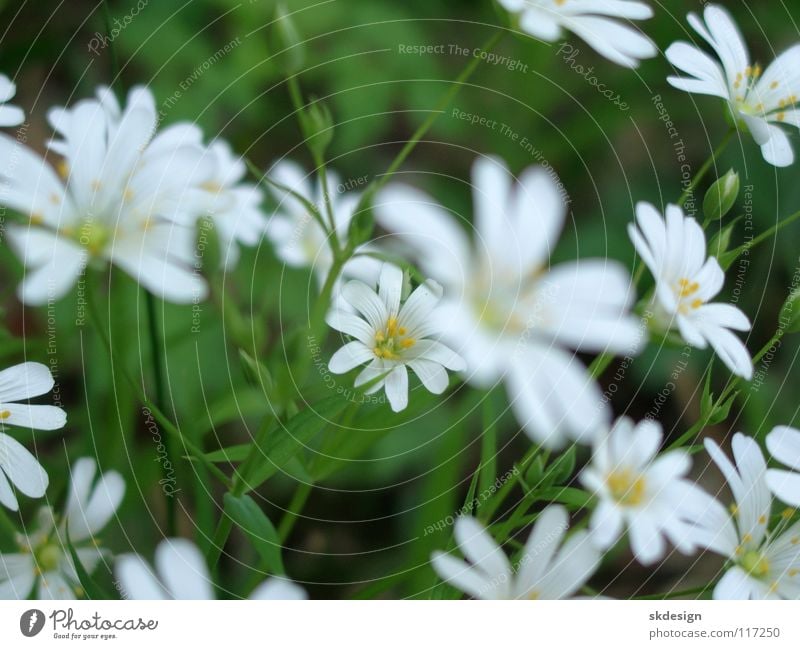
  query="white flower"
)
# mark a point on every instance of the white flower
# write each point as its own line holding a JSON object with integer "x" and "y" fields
{"x": 9, "y": 115}
{"x": 763, "y": 565}
{"x": 547, "y": 568}
{"x": 182, "y": 574}
{"x": 392, "y": 336}
{"x": 593, "y": 21}
{"x": 18, "y": 383}
{"x": 784, "y": 445}
{"x": 759, "y": 100}
{"x": 299, "y": 239}
{"x": 686, "y": 281}
{"x": 111, "y": 200}
{"x": 233, "y": 205}
{"x": 510, "y": 316}
{"x": 45, "y": 560}
{"x": 640, "y": 491}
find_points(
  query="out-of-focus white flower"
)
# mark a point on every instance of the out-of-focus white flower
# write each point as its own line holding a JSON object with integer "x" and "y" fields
{"x": 182, "y": 574}
{"x": 391, "y": 336}
{"x": 17, "y": 465}
{"x": 640, "y": 491}
{"x": 234, "y": 206}
{"x": 784, "y": 445}
{"x": 759, "y": 100}
{"x": 601, "y": 23}
{"x": 45, "y": 561}
{"x": 547, "y": 569}
{"x": 510, "y": 316}
{"x": 115, "y": 197}
{"x": 764, "y": 564}
{"x": 299, "y": 240}
{"x": 9, "y": 115}
{"x": 686, "y": 281}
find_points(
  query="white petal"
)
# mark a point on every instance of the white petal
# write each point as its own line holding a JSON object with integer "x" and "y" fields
{"x": 480, "y": 549}
{"x": 606, "y": 525}
{"x": 783, "y": 443}
{"x": 396, "y": 386}
{"x": 22, "y": 468}
{"x": 352, "y": 355}
{"x": 647, "y": 542}
{"x": 183, "y": 570}
{"x": 785, "y": 485}
{"x": 735, "y": 584}
{"x": 437, "y": 352}
{"x": 351, "y": 325}
{"x": 276, "y": 588}
{"x": 432, "y": 375}
{"x": 390, "y": 287}
{"x": 778, "y": 149}
{"x": 17, "y": 576}
{"x": 25, "y": 381}
{"x": 464, "y": 577}
{"x": 53, "y": 585}
{"x": 366, "y": 301}
{"x": 136, "y": 578}
{"x": 541, "y": 546}
{"x": 101, "y": 507}
{"x": 416, "y": 312}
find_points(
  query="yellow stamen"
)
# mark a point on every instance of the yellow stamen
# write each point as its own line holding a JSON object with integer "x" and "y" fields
{"x": 626, "y": 487}
{"x": 5, "y": 414}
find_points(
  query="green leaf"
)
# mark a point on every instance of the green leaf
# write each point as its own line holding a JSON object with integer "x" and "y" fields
{"x": 721, "y": 413}
{"x": 569, "y": 496}
{"x": 230, "y": 454}
{"x": 247, "y": 515}
{"x": 284, "y": 442}
{"x": 90, "y": 587}
{"x": 561, "y": 469}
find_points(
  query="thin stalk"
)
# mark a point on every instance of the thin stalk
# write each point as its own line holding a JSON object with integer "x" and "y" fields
{"x": 692, "y": 186}
{"x": 157, "y": 359}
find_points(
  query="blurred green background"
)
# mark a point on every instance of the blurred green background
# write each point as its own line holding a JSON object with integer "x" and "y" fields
{"x": 367, "y": 520}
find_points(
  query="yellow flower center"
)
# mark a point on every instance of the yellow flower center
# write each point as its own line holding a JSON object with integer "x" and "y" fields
{"x": 755, "y": 563}
{"x": 626, "y": 487}
{"x": 391, "y": 341}
{"x": 48, "y": 557}
{"x": 685, "y": 289}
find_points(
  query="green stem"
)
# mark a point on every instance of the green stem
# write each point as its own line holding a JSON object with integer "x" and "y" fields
{"x": 705, "y": 168}
{"x": 157, "y": 360}
{"x": 445, "y": 100}
{"x": 293, "y": 510}
{"x": 768, "y": 233}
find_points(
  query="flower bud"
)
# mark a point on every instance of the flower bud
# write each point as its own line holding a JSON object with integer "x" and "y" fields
{"x": 290, "y": 54}
{"x": 722, "y": 196}
{"x": 317, "y": 125}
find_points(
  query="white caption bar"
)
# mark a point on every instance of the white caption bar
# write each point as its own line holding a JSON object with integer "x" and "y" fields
{"x": 398, "y": 624}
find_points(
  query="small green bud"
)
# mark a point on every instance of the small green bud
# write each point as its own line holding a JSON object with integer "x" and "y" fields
{"x": 290, "y": 54}
{"x": 721, "y": 197}
{"x": 256, "y": 372}
{"x": 317, "y": 124}
{"x": 721, "y": 242}
{"x": 361, "y": 227}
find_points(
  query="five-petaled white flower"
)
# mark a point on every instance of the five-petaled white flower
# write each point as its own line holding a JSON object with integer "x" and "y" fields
{"x": 182, "y": 574}
{"x": 760, "y": 100}
{"x": 9, "y": 115}
{"x": 783, "y": 444}
{"x": 45, "y": 558}
{"x": 112, "y": 199}
{"x": 764, "y": 564}
{"x": 510, "y": 316}
{"x": 22, "y": 382}
{"x": 392, "y": 335}
{"x": 686, "y": 280}
{"x": 640, "y": 491}
{"x": 299, "y": 239}
{"x": 595, "y": 21}
{"x": 546, "y": 570}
